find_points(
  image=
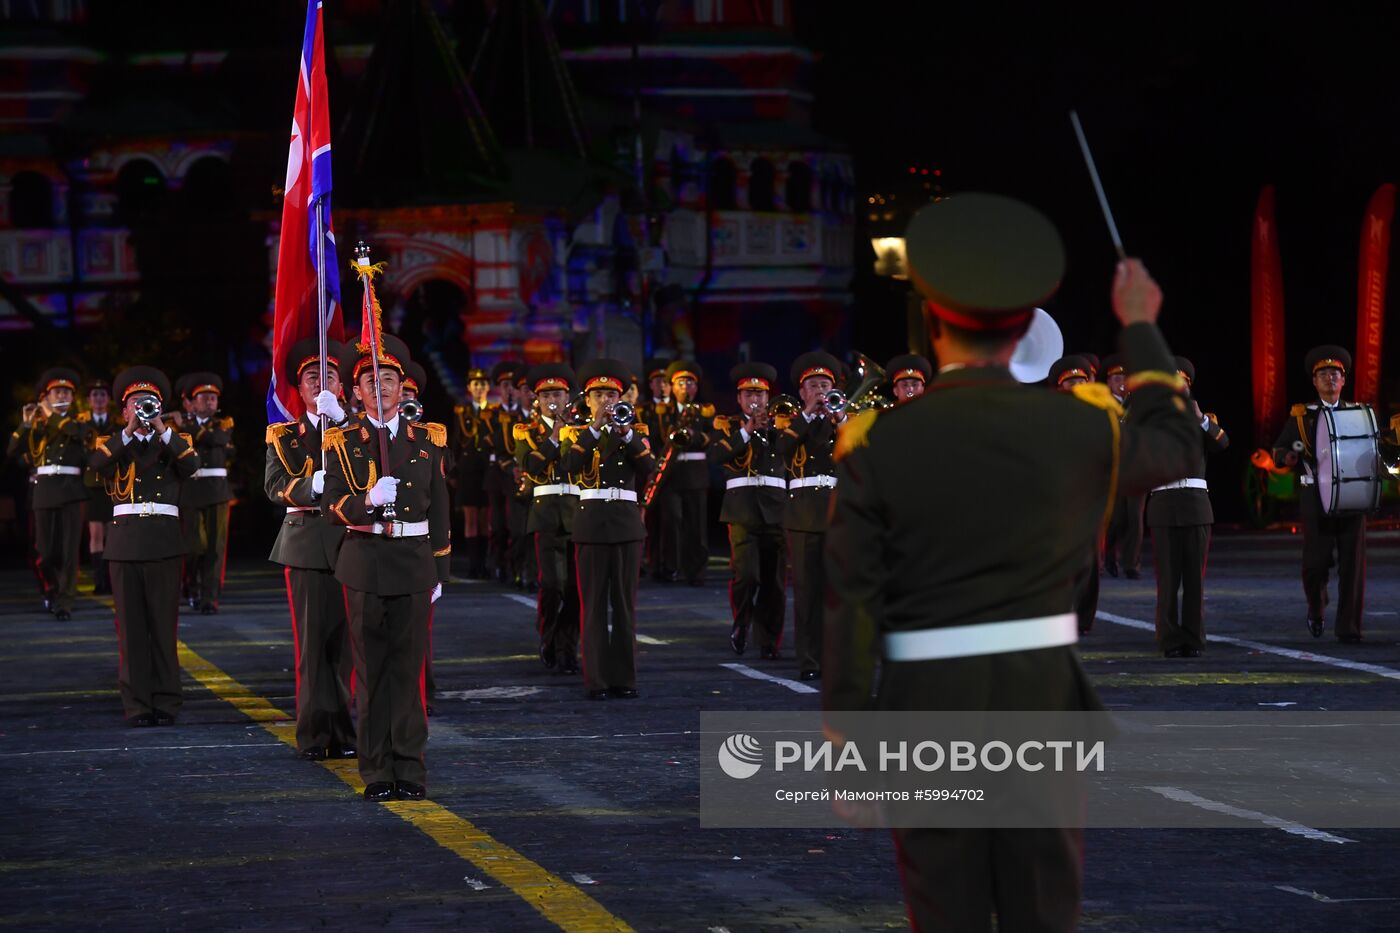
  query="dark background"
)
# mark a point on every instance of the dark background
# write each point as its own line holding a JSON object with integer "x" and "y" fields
{"x": 1190, "y": 111}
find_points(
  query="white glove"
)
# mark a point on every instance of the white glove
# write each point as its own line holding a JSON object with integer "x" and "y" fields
{"x": 384, "y": 491}
{"x": 437, "y": 593}
{"x": 327, "y": 404}
{"x": 318, "y": 482}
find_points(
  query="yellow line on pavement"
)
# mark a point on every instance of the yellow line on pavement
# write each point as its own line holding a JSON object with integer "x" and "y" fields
{"x": 1227, "y": 678}
{"x": 557, "y": 901}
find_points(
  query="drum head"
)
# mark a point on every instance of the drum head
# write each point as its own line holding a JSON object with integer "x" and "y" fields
{"x": 1348, "y": 460}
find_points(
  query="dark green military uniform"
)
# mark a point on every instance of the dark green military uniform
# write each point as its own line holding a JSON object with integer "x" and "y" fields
{"x": 1180, "y": 517}
{"x": 806, "y": 446}
{"x": 206, "y": 496}
{"x": 921, "y": 560}
{"x": 1122, "y": 546}
{"x": 471, "y": 450}
{"x": 389, "y": 571}
{"x": 553, "y": 505}
{"x": 99, "y": 504}
{"x": 683, "y": 494}
{"x": 649, "y": 410}
{"x": 307, "y": 547}
{"x": 1064, "y": 374}
{"x": 500, "y": 421}
{"x": 607, "y": 536}
{"x": 1325, "y": 537}
{"x": 755, "y": 496}
{"x": 55, "y": 449}
{"x": 145, "y": 551}
{"x": 522, "y": 542}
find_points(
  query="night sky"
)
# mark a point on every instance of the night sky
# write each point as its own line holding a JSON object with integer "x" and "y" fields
{"x": 1189, "y": 114}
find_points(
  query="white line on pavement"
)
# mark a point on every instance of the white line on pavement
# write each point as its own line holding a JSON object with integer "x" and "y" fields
{"x": 1378, "y": 669}
{"x": 582, "y": 879}
{"x": 474, "y": 884}
{"x": 527, "y": 601}
{"x": 1324, "y": 899}
{"x": 1277, "y": 822}
{"x": 793, "y": 685}
{"x": 136, "y": 748}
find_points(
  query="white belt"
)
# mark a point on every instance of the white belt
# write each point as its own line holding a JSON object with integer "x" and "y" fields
{"x": 206, "y": 472}
{"x": 395, "y": 529}
{"x": 146, "y": 508}
{"x": 491, "y": 459}
{"x": 1306, "y": 480}
{"x": 742, "y": 481}
{"x": 293, "y": 509}
{"x": 1182, "y": 484}
{"x": 59, "y": 471}
{"x": 555, "y": 489}
{"x": 611, "y": 493}
{"x": 962, "y": 641}
{"x": 693, "y": 455}
{"x": 821, "y": 480}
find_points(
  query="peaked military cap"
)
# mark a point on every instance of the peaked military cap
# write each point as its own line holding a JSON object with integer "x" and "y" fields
{"x": 137, "y": 380}
{"x": 684, "y": 368}
{"x": 546, "y": 376}
{"x": 57, "y": 377}
{"x": 604, "y": 373}
{"x": 815, "y": 363}
{"x": 191, "y": 384}
{"x": 754, "y": 376}
{"x": 909, "y": 366}
{"x": 984, "y": 261}
{"x": 1328, "y": 356}
{"x": 307, "y": 352}
{"x": 1068, "y": 367}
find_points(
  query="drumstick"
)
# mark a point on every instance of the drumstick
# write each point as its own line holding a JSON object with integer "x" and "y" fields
{"x": 1098, "y": 185}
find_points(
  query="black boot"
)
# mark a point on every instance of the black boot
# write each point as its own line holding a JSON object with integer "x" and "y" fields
{"x": 101, "y": 585}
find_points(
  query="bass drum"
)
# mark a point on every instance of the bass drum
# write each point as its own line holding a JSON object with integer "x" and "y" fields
{"x": 1348, "y": 460}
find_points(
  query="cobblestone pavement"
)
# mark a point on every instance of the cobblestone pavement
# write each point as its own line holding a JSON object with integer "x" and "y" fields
{"x": 549, "y": 811}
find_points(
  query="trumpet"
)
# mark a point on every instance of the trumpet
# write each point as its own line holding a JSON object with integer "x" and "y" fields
{"x": 835, "y": 401}
{"x": 147, "y": 409}
{"x": 411, "y": 409}
{"x": 686, "y": 413}
{"x": 784, "y": 405}
{"x": 577, "y": 413}
{"x": 623, "y": 416}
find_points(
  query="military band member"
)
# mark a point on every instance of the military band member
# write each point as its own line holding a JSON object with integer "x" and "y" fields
{"x": 909, "y": 375}
{"x": 391, "y": 565}
{"x": 805, "y": 443}
{"x": 603, "y": 459}
{"x": 684, "y": 493}
{"x": 205, "y": 497}
{"x": 522, "y": 543}
{"x": 471, "y": 449}
{"x": 54, "y": 444}
{"x": 1067, "y": 373}
{"x": 1122, "y": 549}
{"x": 414, "y": 378}
{"x": 980, "y": 619}
{"x": 1325, "y": 535}
{"x": 1180, "y": 517}
{"x": 501, "y": 420}
{"x": 307, "y": 547}
{"x": 99, "y": 504}
{"x": 755, "y": 495}
{"x": 656, "y": 400}
{"x": 144, "y": 464}
{"x": 553, "y": 504}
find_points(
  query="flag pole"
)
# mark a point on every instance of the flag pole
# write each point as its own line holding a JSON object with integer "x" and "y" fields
{"x": 321, "y": 322}
{"x": 366, "y": 278}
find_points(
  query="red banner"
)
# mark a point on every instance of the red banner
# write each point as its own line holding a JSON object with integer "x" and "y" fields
{"x": 1370, "y": 295}
{"x": 1266, "y": 321}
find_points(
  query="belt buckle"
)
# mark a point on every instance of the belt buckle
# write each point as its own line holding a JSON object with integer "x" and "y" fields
{"x": 393, "y": 529}
{"x": 147, "y": 509}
